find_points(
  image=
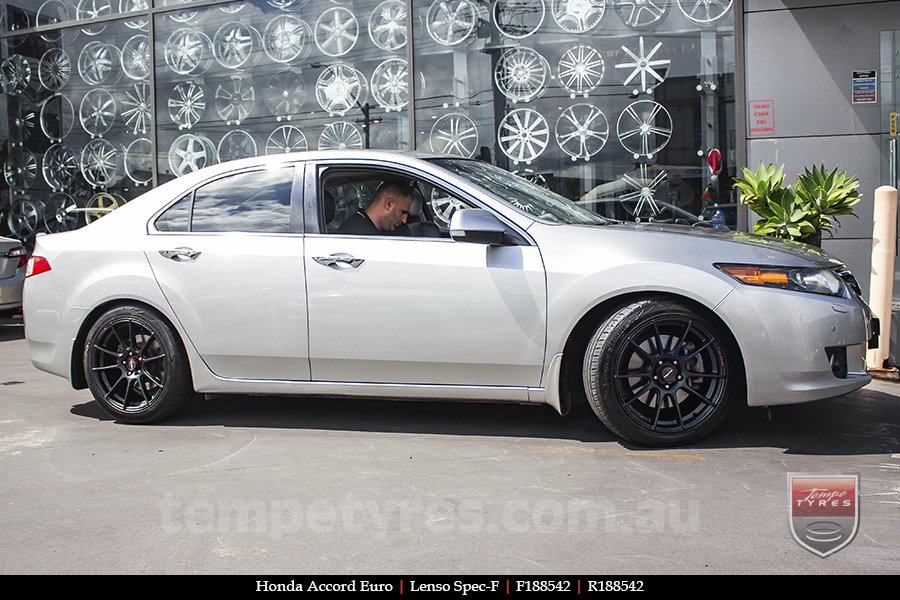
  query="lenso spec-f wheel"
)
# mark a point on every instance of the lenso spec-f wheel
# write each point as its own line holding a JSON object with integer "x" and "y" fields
{"x": 660, "y": 373}
{"x": 135, "y": 366}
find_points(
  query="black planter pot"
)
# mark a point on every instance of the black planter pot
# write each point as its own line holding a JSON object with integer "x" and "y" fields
{"x": 813, "y": 239}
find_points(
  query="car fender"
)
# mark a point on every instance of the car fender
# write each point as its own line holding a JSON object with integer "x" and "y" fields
{"x": 572, "y": 296}
{"x": 103, "y": 288}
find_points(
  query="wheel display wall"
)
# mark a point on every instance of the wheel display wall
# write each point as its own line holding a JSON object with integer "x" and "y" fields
{"x": 600, "y": 100}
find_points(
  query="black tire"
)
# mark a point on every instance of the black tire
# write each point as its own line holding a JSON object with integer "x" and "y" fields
{"x": 659, "y": 373}
{"x": 135, "y": 367}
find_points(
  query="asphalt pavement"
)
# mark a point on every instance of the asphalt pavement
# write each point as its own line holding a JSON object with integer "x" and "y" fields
{"x": 268, "y": 485}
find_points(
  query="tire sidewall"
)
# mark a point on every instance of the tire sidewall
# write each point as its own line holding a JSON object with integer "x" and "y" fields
{"x": 600, "y": 367}
{"x": 171, "y": 396}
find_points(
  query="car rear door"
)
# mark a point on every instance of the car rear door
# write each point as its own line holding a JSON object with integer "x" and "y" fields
{"x": 387, "y": 309}
{"x": 228, "y": 258}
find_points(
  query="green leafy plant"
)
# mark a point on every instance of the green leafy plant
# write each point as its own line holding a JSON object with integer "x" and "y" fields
{"x": 827, "y": 194}
{"x": 801, "y": 211}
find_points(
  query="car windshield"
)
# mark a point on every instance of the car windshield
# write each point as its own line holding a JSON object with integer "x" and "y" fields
{"x": 520, "y": 193}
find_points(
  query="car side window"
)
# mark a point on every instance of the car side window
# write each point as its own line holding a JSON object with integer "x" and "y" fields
{"x": 438, "y": 205}
{"x": 177, "y": 217}
{"x": 256, "y": 201}
{"x": 344, "y": 193}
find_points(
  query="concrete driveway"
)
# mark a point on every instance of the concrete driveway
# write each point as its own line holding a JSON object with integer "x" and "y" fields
{"x": 269, "y": 485}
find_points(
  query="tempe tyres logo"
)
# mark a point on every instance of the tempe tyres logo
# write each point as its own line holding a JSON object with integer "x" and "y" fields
{"x": 824, "y": 511}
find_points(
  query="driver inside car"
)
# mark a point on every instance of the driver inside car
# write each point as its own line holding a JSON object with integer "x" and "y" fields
{"x": 386, "y": 214}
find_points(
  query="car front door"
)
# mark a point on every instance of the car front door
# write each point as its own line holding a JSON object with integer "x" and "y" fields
{"x": 230, "y": 265}
{"x": 392, "y": 309}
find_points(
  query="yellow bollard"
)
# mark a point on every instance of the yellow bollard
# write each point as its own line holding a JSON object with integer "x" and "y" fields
{"x": 881, "y": 288}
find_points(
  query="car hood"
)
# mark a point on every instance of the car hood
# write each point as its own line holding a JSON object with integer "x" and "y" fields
{"x": 765, "y": 246}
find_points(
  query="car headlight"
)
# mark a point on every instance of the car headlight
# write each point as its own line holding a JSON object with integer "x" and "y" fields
{"x": 799, "y": 279}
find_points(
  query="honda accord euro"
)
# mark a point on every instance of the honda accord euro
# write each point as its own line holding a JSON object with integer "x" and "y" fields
{"x": 234, "y": 279}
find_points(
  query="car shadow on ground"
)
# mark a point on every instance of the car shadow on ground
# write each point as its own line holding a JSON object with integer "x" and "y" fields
{"x": 864, "y": 422}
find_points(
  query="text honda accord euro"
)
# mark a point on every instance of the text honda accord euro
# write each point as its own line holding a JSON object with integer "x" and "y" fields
{"x": 466, "y": 283}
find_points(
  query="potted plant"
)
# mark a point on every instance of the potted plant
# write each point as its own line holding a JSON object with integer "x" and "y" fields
{"x": 801, "y": 211}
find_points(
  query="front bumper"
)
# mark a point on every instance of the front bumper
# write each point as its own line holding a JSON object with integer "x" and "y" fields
{"x": 789, "y": 341}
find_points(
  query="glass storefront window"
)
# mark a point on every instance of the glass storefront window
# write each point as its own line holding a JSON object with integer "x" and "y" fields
{"x": 80, "y": 122}
{"x": 267, "y": 77}
{"x": 618, "y": 104}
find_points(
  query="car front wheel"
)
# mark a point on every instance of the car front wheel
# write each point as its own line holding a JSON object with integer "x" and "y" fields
{"x": 135, "y": 367}
{"x": 659, "y": 373}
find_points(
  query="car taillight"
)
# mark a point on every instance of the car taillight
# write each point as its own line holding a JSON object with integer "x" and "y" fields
{"x": 21, "y": 253}
{"x": 36, "y": 266}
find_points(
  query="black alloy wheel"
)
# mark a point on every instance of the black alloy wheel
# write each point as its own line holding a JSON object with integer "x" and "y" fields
{"x": 658, "y": 372}
{"x": 135, "y": 368}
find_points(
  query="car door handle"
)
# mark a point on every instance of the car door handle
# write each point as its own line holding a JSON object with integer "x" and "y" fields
{"x": 181, "y": 254}
{"x": 339, "y": 262}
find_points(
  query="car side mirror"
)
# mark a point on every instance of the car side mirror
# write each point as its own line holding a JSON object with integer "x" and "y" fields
{"x": 477, "y": 226}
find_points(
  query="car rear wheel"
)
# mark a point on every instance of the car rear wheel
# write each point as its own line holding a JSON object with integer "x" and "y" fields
{"x": 659, "y": 373}
{"x": 135, "y": 367}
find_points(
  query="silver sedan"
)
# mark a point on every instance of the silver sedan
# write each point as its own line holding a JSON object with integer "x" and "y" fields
{"x": 235, "y": 279}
